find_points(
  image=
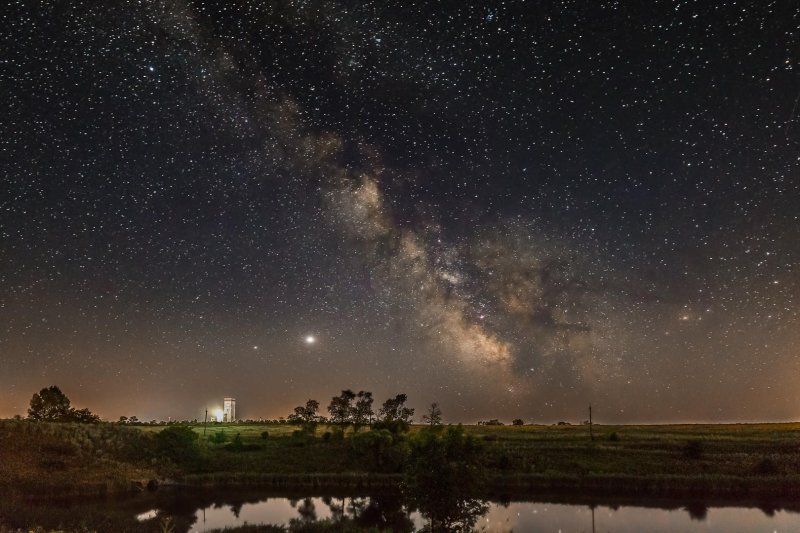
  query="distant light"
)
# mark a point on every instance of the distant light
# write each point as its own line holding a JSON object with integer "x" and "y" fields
{"x": 219, "y": 415}
{"x": 149, "y": 515}
{"x": 310, "y": 339}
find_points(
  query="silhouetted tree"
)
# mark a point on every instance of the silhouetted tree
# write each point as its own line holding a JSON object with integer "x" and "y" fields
{"x": 305, "y": 413}
{"x": 433, "y": 416}
{"x": 84, "y": 416}
{"x": 341, "y": 407}
{"x": 306, "y": 416}
{"x": 362, "y": 410}
{"x": 394, "y": 409}
{"x": 517, "y": 422}
{"x": 52, "y": 405}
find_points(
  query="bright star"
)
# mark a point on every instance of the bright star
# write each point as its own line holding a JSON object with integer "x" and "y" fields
{"x": 310, "y": 339}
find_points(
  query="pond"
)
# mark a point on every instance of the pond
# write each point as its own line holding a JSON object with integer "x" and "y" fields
{"x": 203, "y": 511}
{"x": 517, "y": 516}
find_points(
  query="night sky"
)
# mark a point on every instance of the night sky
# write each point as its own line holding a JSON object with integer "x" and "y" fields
{"x": 512, "y": 208}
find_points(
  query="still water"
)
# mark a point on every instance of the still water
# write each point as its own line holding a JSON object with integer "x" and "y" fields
{"x": 193, "y": 511}
{"x": 518, "y": 516}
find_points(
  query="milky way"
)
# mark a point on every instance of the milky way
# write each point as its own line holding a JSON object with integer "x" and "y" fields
{"x": 512, "y": 208}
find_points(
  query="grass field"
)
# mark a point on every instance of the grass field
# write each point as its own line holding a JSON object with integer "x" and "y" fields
{"x": 636, "y": 450}
{"x": 736, "y": 457}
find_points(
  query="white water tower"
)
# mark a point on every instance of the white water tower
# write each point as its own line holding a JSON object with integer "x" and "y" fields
{"x": 229, "y": 410}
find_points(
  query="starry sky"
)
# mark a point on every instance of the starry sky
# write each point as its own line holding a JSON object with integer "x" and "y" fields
{"x": 512, "y": 208}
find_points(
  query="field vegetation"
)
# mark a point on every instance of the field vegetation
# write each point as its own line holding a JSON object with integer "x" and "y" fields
{"x": 356, "y": 447}
{"x": 750, "y": 452}
{"x": 58, "y": 457}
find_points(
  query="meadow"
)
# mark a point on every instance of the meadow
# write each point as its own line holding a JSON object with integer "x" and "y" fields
{"x": 731, "y": 459}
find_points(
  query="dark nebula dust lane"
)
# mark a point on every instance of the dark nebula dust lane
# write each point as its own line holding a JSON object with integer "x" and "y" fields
{"x": 512, "y": 208}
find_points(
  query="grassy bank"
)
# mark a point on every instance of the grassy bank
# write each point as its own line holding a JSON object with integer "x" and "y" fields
{"x": 358, "y": 481}
{"x": 52, "y": 459}
{"x": 742, "y": 460}
{"x": 733, "y": 458}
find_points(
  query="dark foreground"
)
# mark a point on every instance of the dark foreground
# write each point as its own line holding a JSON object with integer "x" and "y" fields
{"x": 246, "y": 511}
{"x": 61, "y": 459}
{"x": 752, "y": 463}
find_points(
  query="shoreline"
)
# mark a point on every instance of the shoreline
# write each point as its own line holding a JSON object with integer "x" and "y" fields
{"x": 618, "y": 485}
{"x": 46, "y": 460}
{"x": 728, "y": 488}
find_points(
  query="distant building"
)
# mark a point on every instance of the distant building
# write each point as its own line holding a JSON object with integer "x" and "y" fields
{"x": 229, "y": 410}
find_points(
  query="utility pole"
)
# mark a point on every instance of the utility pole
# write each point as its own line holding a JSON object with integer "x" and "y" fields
{"x": 205, "y": 423}
{"x": 591, "y": 434}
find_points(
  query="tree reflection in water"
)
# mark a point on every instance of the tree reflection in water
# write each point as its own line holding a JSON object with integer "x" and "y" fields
{"x": 382, "y": 512}
{"x": 307, "y": 511}
{"x": 443, "y": 475}
{"x": 391, "y": 512}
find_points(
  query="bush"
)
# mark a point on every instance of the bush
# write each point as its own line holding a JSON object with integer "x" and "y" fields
{"x": 219, "y": 437}
{"x": 503, "y": 461}
{"x": 178, "y": 443}
{"x": 517, "y": 422}
{"x": 374, "y": 444}
{"x": 299, "y": 438}
{"x": 395, "y": 427}
{"x": 52, "y": 465}
{"x": 613, "y": 437}
{"x": 326, "y": 436}
{"x": 264, "y": 435}
{"x": 693, "y": 449}
{"x": 766, "y": 467}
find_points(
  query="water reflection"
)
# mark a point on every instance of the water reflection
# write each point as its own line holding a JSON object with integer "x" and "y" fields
{"x": 198, "y": 511}
{"x": 388, "y": 513}
{"x": 381, "y": 512}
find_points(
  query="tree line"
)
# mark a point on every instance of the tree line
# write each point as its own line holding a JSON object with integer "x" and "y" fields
{"x": 347, "y": 409}
{"x": 356, "y": 409}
